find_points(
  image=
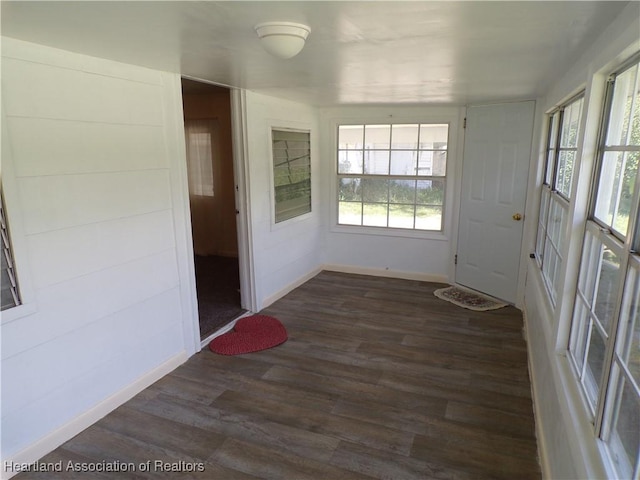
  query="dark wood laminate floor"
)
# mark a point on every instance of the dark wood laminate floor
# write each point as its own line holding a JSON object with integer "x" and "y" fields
{"x": 379, "y": 379}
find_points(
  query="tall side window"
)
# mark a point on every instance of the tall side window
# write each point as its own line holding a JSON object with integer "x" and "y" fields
{"x": 10, "y": 291}
{"x": 291, "y": 173}
{"x": 562, "y": 147}
{"x": 392, "y": 176}
{"x": 604, "y": 345}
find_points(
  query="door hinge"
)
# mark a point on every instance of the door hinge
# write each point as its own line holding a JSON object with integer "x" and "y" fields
{"x": 464, "y": 123}
{"x": 455, "y": 259}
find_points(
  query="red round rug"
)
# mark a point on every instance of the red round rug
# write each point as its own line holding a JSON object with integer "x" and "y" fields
{"x": 250, "y": 334}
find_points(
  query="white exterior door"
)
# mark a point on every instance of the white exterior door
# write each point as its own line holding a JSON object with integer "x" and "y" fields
{"x": 497, "y": 150}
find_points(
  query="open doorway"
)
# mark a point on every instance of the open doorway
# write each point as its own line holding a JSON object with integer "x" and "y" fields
{"x": 208, "y": 135}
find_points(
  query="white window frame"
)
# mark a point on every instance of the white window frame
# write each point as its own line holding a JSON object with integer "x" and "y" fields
{"x": 554, "y": 204}
{"x": 397, "y": 231}
{"x": 273, "y": 180}
{"x": 603, "y": 404}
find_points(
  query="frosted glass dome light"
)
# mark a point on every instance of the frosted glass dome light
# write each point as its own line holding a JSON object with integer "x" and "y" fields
{"x": 282, "y": 39}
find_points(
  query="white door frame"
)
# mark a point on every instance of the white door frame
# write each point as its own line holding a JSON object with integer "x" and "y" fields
{"x": 243, "y": 203}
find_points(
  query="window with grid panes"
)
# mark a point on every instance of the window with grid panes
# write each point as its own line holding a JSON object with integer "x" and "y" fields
{"x": 392, "y": 175}
{"x": 562, "y": 146}
{"x": 604, "y": 344}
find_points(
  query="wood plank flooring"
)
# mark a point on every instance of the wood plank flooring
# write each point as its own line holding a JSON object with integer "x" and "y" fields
{"x": 379, "y": 379}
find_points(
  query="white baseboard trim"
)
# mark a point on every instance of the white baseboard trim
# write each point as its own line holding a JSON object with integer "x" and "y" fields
{"x": 53, "y": 440}
{"x": 292, "y": 286}
{"x": 379, "y": 272}
{"x": 543, "y": 457}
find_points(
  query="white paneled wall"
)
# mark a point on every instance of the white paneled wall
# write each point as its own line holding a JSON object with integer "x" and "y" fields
{"x": 289, "y": 252}
{"x": 93, "y": 174}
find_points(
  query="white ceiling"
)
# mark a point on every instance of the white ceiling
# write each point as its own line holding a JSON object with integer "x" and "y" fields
{"x": 358, "y": 52}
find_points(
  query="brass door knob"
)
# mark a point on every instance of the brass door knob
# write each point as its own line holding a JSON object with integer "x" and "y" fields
{"x": 517, "y": 217}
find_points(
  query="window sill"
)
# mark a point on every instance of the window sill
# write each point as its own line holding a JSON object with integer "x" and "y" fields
{"x": 390, "y": 232}
{"x": 17, "y": 313}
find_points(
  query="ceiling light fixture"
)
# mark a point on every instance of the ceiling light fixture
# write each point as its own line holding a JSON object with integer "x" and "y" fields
{"x": 282, "y": 39}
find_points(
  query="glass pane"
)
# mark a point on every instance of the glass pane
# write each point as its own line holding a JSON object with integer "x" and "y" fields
{"x": 428, "y": 218}
{"x": 376, "y": 162}
{"x": 350, "y": 213}
{"x": 350, "y": 137}
{"x": 350, "y": 161}
{"x": 556, "y": 223}
{"x": 628, "y": 347}
{"x": 404, "y": 137}
{"x": 542, "y": 223}
{"x": 375, "y": 190}
{"x": 615, "y": 190}
{"x": 592, "y": 251}
{"x": 624, "y": 125}
{"x": 624, "y": 440}
{"x": 349, "y": 189}
{"x": 432, "y": 163}
{"x": 374, "y": 214}
{"x": 402, "y": 191}
{"x": 550, "y": 269}
{"x": 434, "y": 136}
{"x": 401, "y": 216}
{"x": 553, "y": 129}
{"x": 564, "y": 173}
{"x": 571, "y": 124}
{"x": 579, "y": 329}
{"x": 595, "y": 364}
{"x": 430, "y": 192}
{"x": 403, "y": 162}
{"x": 607, "y": 293}
{"x": 377, "y": 136}
{"x": 548, "y": 175}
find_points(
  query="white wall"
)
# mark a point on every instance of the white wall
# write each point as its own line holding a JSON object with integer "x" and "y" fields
{"x": 414, "y": 255}
{"x": 567, "y": 445}
{"x": 288, "y": 253}
{"x": 93, "y": 175}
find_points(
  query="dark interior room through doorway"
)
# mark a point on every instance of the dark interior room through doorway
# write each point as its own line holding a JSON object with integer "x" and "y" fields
{"x": 208, "y": 137}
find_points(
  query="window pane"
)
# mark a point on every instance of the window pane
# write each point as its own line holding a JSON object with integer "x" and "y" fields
{"x": 607, "y": 293}
{"x": 432, "y": 163}
{"x": 402, "y": 191}
{"x": 553, "y": 129}
{"x": 350, "y": 161}
{"x": 628, "y": 348}
{"x": 401, "y": 216}
{"x": 403, "y": 162}
{"x": 376, "y": 162}
{"x": 375, "y": 190}
{"x": 350, "y": 137}
{"x": 350, "y": 213}
{"x": 428, "y": 218}
{"x": 624, "y": 440}
{"x": 548, "y": 176}
{"x": 434, "y": 136}
{"x": 377, "y": 136}
{"x": 404, "y": 137}
{"x": 291, "y": 173}
{"x": 592, "y": 251}
{"x": 556, "y": 222}
{"x": 579, "y": 330}
{"x": 349, "y": 190}
{"x": 615, "y": 189}
{"x": 430, "y": 192}
{"x": 595, "y": 364}
{"x": 624, "y": 125}
{"x": 571, "y": 124}
{"x": 564, "y": 173}
{"x": 542, "y": 223}
{"x": 375, "y": 214}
